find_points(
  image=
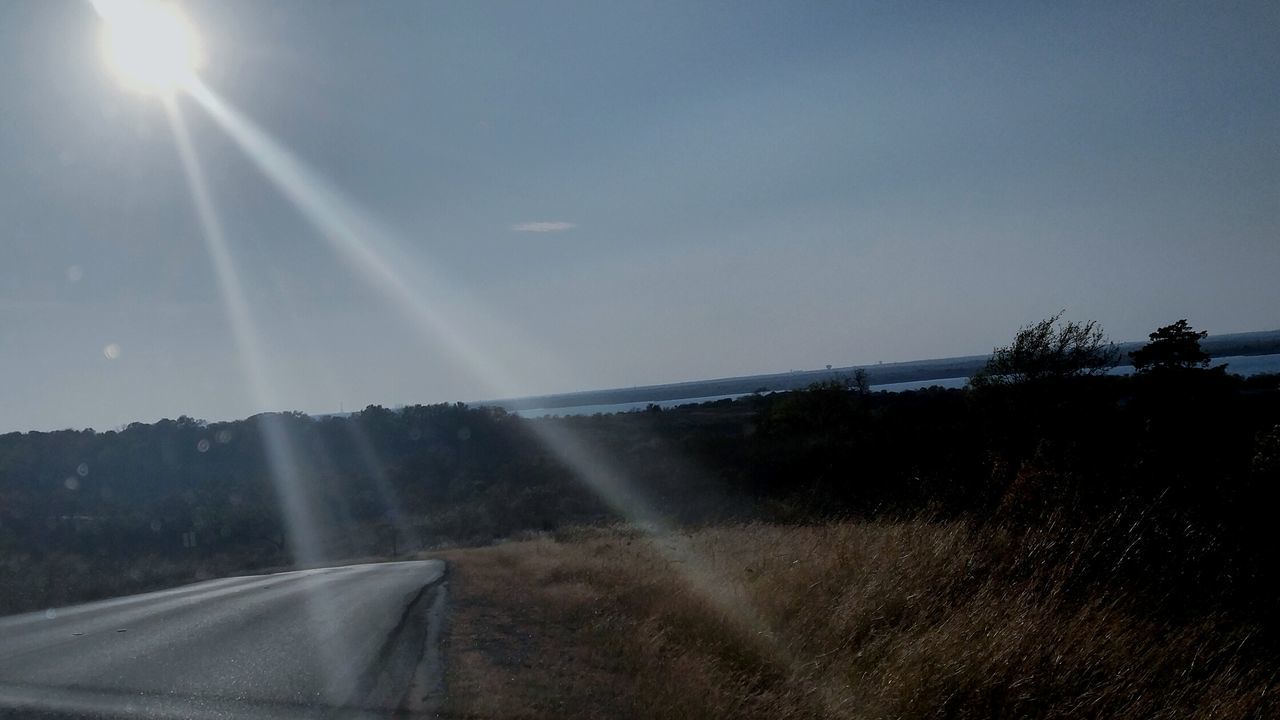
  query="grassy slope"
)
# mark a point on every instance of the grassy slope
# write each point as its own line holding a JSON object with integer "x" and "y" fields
{"x": 867, "y": 620}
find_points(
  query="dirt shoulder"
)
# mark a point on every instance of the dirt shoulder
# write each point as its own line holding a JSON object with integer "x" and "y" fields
{"x": 519, "y": 640}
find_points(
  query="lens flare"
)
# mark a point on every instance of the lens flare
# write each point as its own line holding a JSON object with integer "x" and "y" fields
{"x": 297, "y": 500}
{"x": 299, "y": 515}
{"x": 371, "y": 251}
{"x": 352, "y": 234}
{"x": 149, "y": 45}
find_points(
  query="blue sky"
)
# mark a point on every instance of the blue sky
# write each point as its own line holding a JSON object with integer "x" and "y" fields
{"x": 722, "y": 189}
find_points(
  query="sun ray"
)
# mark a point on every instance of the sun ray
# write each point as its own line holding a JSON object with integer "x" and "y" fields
{"x": 154, "y": 50}
{"x": 298, "y": 513}
{"x": 350, "y": 233}
{"x": 373, "y": 464}
{"x": 296, "y": 502}
{"x": 361, "y": 242}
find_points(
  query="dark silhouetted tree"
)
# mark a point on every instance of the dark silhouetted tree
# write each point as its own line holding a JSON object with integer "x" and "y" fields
{"x": 860, "y": 382}
{"x": 1049, "y": 350}
{"x": 1172, "y": 348}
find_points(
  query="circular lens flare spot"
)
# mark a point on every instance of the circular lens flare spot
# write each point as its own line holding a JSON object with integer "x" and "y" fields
{"x": 111, "y": 351}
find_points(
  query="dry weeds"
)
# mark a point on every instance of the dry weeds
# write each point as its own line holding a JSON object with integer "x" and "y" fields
{"x": 859, "y": 620}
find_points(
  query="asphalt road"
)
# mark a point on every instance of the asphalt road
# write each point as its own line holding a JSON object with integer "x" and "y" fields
{"x": 331, "y": 642}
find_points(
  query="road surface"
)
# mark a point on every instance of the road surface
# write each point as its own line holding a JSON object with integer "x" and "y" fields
{"x": 331, "y": 642}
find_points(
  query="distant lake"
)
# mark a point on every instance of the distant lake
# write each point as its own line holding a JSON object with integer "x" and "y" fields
{"x": 623, "y": 407}
{"x": 1236, "y": 364}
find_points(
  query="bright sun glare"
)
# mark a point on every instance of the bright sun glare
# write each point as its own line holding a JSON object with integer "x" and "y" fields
{"x": 149, "y": 45}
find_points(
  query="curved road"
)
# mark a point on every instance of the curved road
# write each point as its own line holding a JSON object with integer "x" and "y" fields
{"x": 331, "y": 642}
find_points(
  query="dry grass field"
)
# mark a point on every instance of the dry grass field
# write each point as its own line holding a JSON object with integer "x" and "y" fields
{"x": 856, "y": 620}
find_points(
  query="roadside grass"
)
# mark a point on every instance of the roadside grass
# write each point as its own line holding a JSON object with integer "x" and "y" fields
{"x": 910, "y": 619}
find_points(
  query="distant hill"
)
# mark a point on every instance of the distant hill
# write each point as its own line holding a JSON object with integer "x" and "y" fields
{"x": 1251, "y": 343}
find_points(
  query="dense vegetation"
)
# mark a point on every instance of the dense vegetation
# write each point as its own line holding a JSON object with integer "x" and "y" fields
{"x": 1169, "y": 476}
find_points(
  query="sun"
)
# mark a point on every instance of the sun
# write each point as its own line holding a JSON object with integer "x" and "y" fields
{"x": 149, "y": 45}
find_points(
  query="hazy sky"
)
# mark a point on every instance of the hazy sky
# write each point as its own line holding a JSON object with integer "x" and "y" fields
{"x": 597, "y": 194}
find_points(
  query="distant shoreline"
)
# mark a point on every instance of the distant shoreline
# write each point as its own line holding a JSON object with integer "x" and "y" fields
{"x": 1234, "y": 344}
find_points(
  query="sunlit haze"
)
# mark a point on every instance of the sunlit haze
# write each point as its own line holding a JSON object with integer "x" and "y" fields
{"x": 441, "y": 201}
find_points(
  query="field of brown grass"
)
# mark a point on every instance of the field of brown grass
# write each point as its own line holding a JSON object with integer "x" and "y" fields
{"x": 855, "y": 620}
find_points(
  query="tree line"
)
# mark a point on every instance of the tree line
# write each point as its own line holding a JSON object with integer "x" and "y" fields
{"x": 1171, "y": 472}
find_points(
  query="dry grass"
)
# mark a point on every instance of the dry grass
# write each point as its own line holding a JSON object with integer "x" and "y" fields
{"x": 869, "y": 620}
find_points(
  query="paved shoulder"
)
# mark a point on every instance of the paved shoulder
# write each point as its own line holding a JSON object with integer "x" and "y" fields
{"x": 353, "y": 637}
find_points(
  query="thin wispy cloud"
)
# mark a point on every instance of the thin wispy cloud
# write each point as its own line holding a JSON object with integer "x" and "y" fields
{"x": 544, "y": 227}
